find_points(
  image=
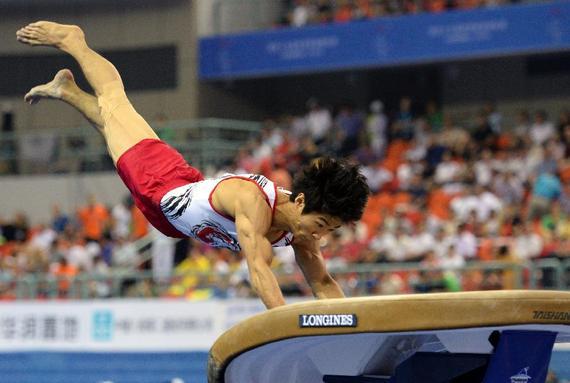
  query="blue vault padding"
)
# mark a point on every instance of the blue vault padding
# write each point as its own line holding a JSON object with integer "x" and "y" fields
{"x": 521, "y": 357}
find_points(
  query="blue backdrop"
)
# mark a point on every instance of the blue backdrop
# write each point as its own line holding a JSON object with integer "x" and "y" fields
{"x": 387, "y": 41}
{"x": 190, "y": 367}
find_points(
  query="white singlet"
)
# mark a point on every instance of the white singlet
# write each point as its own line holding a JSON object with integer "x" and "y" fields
{"x": 189, "y": 209}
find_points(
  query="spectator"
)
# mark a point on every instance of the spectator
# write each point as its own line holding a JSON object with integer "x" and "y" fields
{"x": 451, "y": 259}
{"x": 494, "y": 117}
{"x": 43, "y": 238}
{"x": 405, "y": 120}
{"x": 80, "y": 254}
{"x": 350, "y": 125}
{"x": 508, "y": 188}
{"x": 376, "y": 126}
{"x": 324, "y": 12}
{"x": 140, "y": 226}
{"x": 379, "y": 8}
{"x": 453, "y": 137}
{"x": 361, "y": 9}
{"x": 59, "y": 220}
{"x": 546, "y": 189}
{"x": 483, "y": 133}
{"x": 162, "y": 257}
{"x": 448, "y": 170}
{"x": 417, "y": 151}
{"x": 65, "y": 274}
{"x": 564, "y": 200}
{"x": 542, "y": 129}
{"x": 343, "y": 11}
{"x": 417, "y": 188}
{"x": 301, "y": 14}
{"x": 442, "y": 243}
{"x": 466, "y": 243}
{"x": 318, "y": 121}
{"x": 549, "y": 163}
{"x": 526, "y": 244}
{"x": 377, "y": 177}
{"x": 16, "y": 230}
{"x": 523, "y": 124}
{"x": 487, "y": 203}
{"x": 121, "y": 218}
{"x": 484, "y": 168}
{"x": 125, "y": 256}
{"x": 94, "y": 218}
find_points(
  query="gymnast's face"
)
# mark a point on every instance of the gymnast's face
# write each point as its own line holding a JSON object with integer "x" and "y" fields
{"x": 314, "y": 225}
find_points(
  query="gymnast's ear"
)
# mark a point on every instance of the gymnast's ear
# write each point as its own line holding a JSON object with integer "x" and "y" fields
{"x": 300, "y": 201}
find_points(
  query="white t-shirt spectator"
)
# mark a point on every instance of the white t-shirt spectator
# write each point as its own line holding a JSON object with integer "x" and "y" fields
{"x": 404, "y": 175}
{"x": 319, "y": 122}
{"x": 447, "y": 171}
{"x": 301, "y": 15}
{"x": 452, "y": 260}
{"x": 376, "y": 177}
{"x": 466, "y": 245}
{"x": 487, "y": 202}
{"x": 376, "y": 126}
{"x": 541, "y": 132}
{"x": 391, "y": 245}
{"x": 298, "y": 127}
{"x": 44, "y": 239}
{"x": 121, "y": 220}
{"x": 80, "y": 257}
{"x": 527, "y": 246}
{"x": 125, "y": 255}
{"x": 463, "y": 206}
{"x": 441, "y": 247}
{"x": 483, "y": 172}
{"x": 420, "y": 244}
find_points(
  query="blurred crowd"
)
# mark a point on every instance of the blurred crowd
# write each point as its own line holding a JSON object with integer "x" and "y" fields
{"x": 300, "y": 13}
{"x": 446, "y": 193}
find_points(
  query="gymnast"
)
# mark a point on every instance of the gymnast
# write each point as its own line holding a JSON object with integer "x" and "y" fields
{"x": 243, "y": 213}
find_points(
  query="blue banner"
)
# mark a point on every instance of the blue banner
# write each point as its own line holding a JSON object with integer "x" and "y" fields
{"x": 521, "y": 357}
{"x": 388, "y": 41}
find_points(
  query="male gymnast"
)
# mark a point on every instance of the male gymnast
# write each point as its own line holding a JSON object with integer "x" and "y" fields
{"x": 244, "y": 213}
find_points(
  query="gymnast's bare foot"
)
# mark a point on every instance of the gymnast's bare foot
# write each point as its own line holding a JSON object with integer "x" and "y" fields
{"x": 55, "y": 89}
{"x": 51, "y": 34}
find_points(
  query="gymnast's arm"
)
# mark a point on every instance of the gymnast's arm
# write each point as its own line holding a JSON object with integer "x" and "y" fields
{"x": 253, "y": 220}
{"x": 311, "y": 262}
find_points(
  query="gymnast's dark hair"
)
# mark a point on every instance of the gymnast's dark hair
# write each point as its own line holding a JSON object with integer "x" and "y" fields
{"x": 332, "y": 186}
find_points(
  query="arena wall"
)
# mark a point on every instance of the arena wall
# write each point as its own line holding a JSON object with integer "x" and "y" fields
{"x": 116, "y": 26}
{"x": 36, "y": 195}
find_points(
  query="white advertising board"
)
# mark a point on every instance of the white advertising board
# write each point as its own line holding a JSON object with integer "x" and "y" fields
{"x": 119, "y": 325}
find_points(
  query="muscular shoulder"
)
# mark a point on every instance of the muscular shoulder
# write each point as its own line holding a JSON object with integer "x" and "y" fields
{"x": 240, "y": 188}
{"x": 239, "y": 193}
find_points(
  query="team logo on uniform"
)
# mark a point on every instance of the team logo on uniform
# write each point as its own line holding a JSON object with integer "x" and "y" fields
{"x": 259, "y": 179}
{"x": 521, "y": 377}
{"x": 213, "y": 234}
{"x": 327, "y": 320}
{"x": 174, "y": 206}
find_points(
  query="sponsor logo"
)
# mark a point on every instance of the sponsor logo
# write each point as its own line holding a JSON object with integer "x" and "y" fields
{"x": 522, "y": 376}
{"x": 552, "y": 315}
{"x": 103, "y": 324}
{"x": 327, "y": 320}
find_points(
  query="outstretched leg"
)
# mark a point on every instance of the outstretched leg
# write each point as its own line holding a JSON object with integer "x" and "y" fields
{"x": 123, "y": 127}
{"x": 63, "y": 87}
